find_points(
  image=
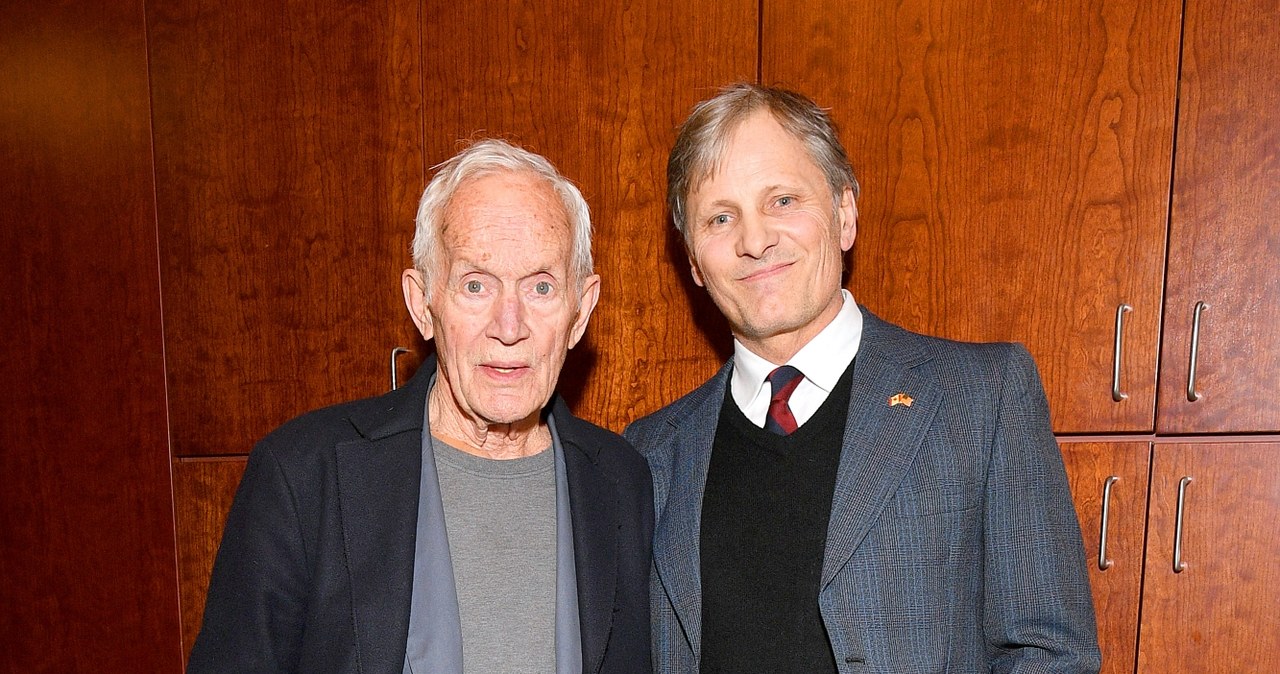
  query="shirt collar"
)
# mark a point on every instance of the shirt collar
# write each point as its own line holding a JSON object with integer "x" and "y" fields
{"x": 822, "y": 360}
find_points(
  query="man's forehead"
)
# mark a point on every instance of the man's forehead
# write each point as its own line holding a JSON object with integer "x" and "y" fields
{"x": 510, "y": 198}
{"x": 508, "y": 241}
{"x": 743, "y": 135}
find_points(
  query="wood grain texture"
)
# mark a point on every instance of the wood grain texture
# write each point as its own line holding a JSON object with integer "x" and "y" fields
{"x": 1218, "y": 616}
{"x": 87, "y": 572}
{"x": 288, "y": 161}
{"x": 599, "y": 89}
{"x": 1014, "y": 159}
{"x": 1224, "y": 237}
{"x": 1117, "y": 589}
{"x": 202, "y": 494}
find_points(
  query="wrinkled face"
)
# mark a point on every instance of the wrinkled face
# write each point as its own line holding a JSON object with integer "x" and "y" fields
{"x": 505, "y": 307}
{"x": 766, "y": 241}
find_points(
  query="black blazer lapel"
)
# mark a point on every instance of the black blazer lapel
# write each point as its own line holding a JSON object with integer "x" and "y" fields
{"x": 378, "y": 478}
{"x": 593, "y": 507}
{"x": 882, "y": 436}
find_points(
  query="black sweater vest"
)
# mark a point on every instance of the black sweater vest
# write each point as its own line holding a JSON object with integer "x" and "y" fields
{"x": 764, "y": 529}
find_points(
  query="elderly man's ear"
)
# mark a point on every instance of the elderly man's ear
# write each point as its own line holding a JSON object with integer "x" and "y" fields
{"x": 415, "y": 300}
{"x": 586, "y": 305}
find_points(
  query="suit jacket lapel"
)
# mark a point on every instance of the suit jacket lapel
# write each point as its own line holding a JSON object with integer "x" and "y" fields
{"x": 378, "y": 480}
{"x": 678, "y": 530}
{"x": 880, "y": 440}
{"x": 593, "y": 507}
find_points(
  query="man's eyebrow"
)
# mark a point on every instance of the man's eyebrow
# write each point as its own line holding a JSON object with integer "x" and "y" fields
{"x": 720, "y": 203}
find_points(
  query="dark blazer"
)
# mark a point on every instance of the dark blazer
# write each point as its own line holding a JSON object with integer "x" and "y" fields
{"x": 952, "y": 545}
{"x": 315, "y": 571}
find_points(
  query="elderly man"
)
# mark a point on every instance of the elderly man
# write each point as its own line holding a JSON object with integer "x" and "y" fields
{"x": 465, "y": 522}
{"x": 843, "y": 495}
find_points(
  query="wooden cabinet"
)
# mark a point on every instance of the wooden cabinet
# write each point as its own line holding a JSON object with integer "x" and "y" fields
{"x": 1207, "y": 581}
{"x": 288, "y": 160}
{"x": 1026, "y": 168}
{"x": 87, "y": 573}
{"x": 1224, "y": 248}
{"x": 1217, "y": 615}
{"x": 1109, "y": 483}
{"x": 1014, "y": 160}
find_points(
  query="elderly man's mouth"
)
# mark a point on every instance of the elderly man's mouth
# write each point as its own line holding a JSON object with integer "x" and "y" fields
{"x": 504, "y": 369}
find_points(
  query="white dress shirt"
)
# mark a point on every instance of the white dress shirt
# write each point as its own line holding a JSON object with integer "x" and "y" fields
{"x": 822, "y": 361}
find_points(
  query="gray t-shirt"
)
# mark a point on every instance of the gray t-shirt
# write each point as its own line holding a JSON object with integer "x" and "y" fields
{"x": 500, "y": 516}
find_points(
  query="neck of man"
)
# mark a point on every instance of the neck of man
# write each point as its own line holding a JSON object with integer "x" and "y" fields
{"x": 473, "y": 435}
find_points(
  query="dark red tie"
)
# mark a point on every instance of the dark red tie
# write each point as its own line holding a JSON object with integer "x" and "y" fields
{"x": 783, "y": 381}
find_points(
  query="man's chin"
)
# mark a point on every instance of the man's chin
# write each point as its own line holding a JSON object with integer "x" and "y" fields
{"x": 500, "y": 417}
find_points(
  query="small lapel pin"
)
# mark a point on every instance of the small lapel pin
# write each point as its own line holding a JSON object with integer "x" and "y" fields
{"x": 901, "y": 399}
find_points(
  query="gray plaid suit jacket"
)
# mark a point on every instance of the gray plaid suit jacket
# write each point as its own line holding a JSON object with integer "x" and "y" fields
{"x": 952, "y": 545}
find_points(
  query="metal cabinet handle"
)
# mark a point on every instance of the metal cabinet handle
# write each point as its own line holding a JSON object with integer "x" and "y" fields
{"x": 1103, "y": 562}
{"x": 1116, "y": 395}
{"x": 395, "y": 384}
{"x": 1192, "y": 394}
{"x": 1178, "y": 564}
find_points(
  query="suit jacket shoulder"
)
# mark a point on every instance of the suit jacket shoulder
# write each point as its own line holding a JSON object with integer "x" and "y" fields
{"x": 654, "y": 431}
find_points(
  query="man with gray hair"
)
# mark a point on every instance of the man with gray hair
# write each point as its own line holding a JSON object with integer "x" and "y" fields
{"x": 844, "y": 495}
{"x": 466, "y": 522}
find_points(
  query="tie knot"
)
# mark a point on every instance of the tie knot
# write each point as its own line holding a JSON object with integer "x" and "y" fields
{"x": 783, "y": 381}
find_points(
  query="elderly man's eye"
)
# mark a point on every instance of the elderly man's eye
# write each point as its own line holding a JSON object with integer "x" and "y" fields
{"x": 542, "y": 288}
{"x": 474, "y": 286}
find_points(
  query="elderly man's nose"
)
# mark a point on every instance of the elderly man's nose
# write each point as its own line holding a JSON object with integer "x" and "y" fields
{"x": 508, "y": 325}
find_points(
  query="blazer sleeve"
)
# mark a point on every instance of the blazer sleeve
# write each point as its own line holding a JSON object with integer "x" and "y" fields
{"x": 255, "y": 610}
{"x": 1038, "y": 610}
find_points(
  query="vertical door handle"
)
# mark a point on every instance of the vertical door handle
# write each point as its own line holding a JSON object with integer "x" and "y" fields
{"x": 1116, "y": 395}
{"x": 395, "y": 384}
{"x": 1192, "y": 394}
{"x": 1103, "y": 562}
{"x": 1178, "y": 564}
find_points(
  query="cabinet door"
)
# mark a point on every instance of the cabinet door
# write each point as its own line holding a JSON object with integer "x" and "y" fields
{"x": 288, "y": 163}
{"x": 1218, "y": 614}
{"x": 1014, "y": 159}
{"x": 600, "y": 89}
{"x": 87, "y": 572}
{"x": 1109, "y": 488}
{"x": 1224, "y": 246}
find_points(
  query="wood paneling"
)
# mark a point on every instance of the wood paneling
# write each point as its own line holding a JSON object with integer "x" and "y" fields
{"x": 1218, "y": 615}
{"x": 599, "y": 88}
{"x": 87, "y": 575}
{"x": 202, "y": 494}
{"x": 1117, "y": 588}
{"x": 288, "y": 163}
{"x": 1014, "y": 160}
{"x": 1224, "y": 246}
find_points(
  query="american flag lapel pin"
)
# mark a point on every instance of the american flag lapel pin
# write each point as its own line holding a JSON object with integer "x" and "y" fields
{"x": 900, "y": 399}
